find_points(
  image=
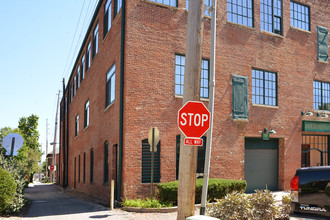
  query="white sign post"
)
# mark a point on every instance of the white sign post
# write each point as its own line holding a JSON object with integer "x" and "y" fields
{"x": 153, "y": 139}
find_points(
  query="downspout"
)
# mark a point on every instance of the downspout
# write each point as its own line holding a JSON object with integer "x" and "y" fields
{"x": 66, "y": 170}
{"x": 121, "y": 104}
{"x": 63, "y": 134}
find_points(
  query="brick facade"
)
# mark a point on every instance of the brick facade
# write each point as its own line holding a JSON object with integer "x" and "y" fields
{"x": 154, "y": 34}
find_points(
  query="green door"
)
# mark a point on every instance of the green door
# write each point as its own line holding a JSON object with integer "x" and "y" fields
{"x": 261, "y": 164}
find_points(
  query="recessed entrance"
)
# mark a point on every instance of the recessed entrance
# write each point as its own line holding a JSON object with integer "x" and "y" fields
{"x": 315, "y": 150}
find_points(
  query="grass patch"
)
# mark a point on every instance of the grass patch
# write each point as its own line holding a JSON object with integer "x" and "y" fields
{"x": 146, "y": 203}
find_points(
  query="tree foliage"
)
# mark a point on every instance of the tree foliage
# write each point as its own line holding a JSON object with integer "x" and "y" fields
{"x": 28, "y": 128}
{"x": 12, "y": 166}
{"x": 29, "y": 155}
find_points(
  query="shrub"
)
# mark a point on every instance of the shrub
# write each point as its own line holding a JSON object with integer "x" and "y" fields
{"x": 234, "y": 206}
{"x": 258, "y": 206}
{"x": 7, "y": 189}
{"x": 285, "y": 208}
{"x": 147, "y": 203}
{"x": 263, "y": 205}
{"x": 217, "y": 189}
{"x": 13, "y": 167}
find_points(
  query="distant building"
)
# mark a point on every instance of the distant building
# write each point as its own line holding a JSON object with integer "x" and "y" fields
{"x": 49, "y": 159}
{"x": 272, "y": 94}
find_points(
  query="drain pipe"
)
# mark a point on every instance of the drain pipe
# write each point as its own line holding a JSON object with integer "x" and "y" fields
{"x": 121, "y": 104}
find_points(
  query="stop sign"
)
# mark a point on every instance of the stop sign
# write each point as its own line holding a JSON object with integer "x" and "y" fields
{"x": 51, "y": 167}
{"x": 194, "y": 119}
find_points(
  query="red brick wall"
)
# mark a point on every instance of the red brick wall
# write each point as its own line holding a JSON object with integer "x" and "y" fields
{"x": 154, "y": 34}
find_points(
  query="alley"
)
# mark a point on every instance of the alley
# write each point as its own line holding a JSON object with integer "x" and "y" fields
{"x": 48, "y": 202}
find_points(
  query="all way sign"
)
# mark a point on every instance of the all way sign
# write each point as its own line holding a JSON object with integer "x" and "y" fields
{"x": 194, "y": 122}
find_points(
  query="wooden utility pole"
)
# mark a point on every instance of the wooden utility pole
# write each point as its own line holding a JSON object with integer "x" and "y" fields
{"x": 47, "y": 150}
{"x": 191, "y": 92}
{"x": 55, "y": 138}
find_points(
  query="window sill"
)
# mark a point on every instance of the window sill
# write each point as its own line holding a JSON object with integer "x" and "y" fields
{"x": 272, "y": 34}
{"x": 302, "y": 30}
{"x": 240, "y": 120}
{"x": 161, "y": 5}
{"x": 265, "y": 106}
{"x": 111, "y": 104}
{"x": 240, "y": 25}
{"x": 200, "y": 99}
{"x": 76, "y": 137}
{"x": 86, "y": 128}
{"x": 320, "y": 61}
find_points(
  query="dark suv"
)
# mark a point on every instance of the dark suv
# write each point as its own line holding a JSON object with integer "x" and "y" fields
{"x": 310, "y": 191}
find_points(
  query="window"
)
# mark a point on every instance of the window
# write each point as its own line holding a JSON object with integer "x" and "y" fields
{"x": 66, "y": 104}
{"x": 207, "y": 6}
{"x": 84, "y": 168}
{"x": 321, "y": 95}
{"x": 240, "y": 12}
{"x": 146, "y": 163}
{"x": 106, "y": 163}
{"x": 78, "y": 77}
{"x": 95, "y": 40}
{"x": 74, "y": 85}
{"x": 107, "y": 17}
{"x": 264, "y": 87}
{"x": 82, "y": 68}
{"x": 88, "y": 56}
{"x": 91, "y": 177}
{"x": 271, "y": 16}
{"x": 200, "y": 156}
{"x": 110, "y": 86}
{"x": 76, "y": 130}
{"x": 79, "y": 169}
{"x": 86, "y": 115}
{"x": 71, "y": 93}
{"x": 119, "y": 3}
{"x": 179, "y": 76}
{"x": 322, "y": 44}
{"x": 299, "y": 16}
{"x": 173, "y": 3}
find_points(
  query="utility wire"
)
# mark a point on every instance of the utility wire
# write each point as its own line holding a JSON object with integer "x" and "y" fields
{"x": 73, "y": 40}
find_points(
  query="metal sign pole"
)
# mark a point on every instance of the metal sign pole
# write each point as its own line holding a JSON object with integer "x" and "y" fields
{"x": 211, "y": 108}
{"x": 12, "y": 147}
{"x": 152, "y": 161}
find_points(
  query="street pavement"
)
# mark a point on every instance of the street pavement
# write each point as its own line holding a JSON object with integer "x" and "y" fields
{"x": 48, "y": 201}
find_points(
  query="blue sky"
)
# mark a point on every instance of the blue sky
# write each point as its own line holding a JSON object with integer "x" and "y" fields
{"x": 40, "y": 40}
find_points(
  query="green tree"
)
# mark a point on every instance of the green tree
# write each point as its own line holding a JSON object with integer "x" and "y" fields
{"x": 28, "y": 128}
{"x": 29, "y": 155}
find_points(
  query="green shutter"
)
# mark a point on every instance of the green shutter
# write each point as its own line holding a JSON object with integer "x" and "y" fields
{"x": 322, "y": 44}
{"x": 240, "y": 97}
{"x": 146, "y": 163}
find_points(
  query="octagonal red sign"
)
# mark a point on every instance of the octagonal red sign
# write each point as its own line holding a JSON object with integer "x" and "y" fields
{"x": 194, "y": 119}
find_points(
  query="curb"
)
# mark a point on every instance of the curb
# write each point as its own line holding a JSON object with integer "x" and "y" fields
{"x": 154, "y": 210}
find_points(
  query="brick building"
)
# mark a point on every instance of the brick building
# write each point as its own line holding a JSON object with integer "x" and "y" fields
{"x": 272, "y": 94}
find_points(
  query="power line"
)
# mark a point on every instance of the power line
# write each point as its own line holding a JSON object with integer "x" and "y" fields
{"x": 73, "y": 39}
